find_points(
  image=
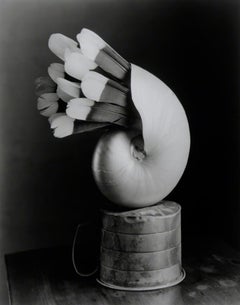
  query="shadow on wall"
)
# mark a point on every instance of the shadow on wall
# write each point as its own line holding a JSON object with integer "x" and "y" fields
{"x": 47, "y": 185}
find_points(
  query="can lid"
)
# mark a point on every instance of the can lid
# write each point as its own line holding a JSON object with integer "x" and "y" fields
{"x": 161, "y": 217}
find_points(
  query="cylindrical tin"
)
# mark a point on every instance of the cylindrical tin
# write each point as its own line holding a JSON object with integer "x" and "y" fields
{"x": 141, "y": 249}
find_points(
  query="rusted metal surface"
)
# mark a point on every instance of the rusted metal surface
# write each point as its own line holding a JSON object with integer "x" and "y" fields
{"x": 162, "y": 217}
{"x": 129, "y": 255}
{"x": 141, "y": 243}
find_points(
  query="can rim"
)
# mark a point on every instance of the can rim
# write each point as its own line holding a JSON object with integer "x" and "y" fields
{"x": 116, "y": 287}
{"x": 106, "y": 212}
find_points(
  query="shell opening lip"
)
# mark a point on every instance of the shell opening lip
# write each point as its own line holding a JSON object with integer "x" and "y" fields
{"x": 137, "y": 148}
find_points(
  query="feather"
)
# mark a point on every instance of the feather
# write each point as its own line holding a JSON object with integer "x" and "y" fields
{"x": 62, "y": 125}
{"x": 77, "y": 65}
{"x": 55, "y": 71}
{"x": 100, "y": 88}
{"x": 58, "y": 44}
{"x": 51, "y": 109}
{"x": 82, "y": 126}
{"x": 105, "y": 57}
{"x": 43, "y": 104}
{"x": 88, "y": 110}
{"x": 67, "y": 90}
{"x": 63, "y": 95}
{"x": 54, "y": 116}
{"x": 43, "y": 85}
{"x": 48, "y": 104}
{"x": 68, "y": 52}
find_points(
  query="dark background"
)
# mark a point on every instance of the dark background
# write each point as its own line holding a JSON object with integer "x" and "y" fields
{"x": 46, "y": 184}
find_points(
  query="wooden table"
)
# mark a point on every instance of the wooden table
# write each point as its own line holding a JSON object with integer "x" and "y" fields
{"x": 46, "y": 277}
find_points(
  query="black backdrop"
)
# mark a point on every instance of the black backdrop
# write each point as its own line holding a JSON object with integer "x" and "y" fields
{"x": 46, "y": 185}
{"x": 193, "y": 46}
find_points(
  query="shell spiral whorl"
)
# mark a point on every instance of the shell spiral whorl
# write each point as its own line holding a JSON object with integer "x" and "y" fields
{"x": 136, "y": 177}
{"x": 140, "y": 162}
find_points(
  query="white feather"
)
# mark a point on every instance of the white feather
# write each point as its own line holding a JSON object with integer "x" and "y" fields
{"x": 93, "y": 85}
{"x": 78, "y": 111}
{"x": 48, "y": 104}
{"x": 50, "y": 110}
{"x": 58, "y": 43}
{"x": 79, "y": 108}
{"x": 69, "y": 88}
{"x": 55, "y": 71}
{"x": 88, "y": 35}
{"x": 63, "y": 95}
{"x": 110, "y": 61}
{"x": 68, "y": 52}
{"x": 41, "y": 104}
{"x": 46, "y": 99}
{"x": 90, "y": 43}
{"x": 77, "y": 65}
{"x": 54, "y": 116}
{"x": 63, "y": 126}
{"x": 82, "y": 101}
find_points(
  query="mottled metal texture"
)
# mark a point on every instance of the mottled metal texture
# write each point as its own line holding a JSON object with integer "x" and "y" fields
{"x": 141, "y": 249}
{"x": 140, "y": 280}
{"x": 134, "y": 261}
{"x": 141, "y": 243}
{"x": 165, "y": 216}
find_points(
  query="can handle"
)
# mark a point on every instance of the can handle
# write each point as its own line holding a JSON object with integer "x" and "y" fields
{"x": 85, "y": 249}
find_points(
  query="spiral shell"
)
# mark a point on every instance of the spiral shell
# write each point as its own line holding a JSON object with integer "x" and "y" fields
{"x": 134, "y": 171}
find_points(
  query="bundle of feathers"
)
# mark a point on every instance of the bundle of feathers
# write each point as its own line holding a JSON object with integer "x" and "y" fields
{"x": 89, "y": 90}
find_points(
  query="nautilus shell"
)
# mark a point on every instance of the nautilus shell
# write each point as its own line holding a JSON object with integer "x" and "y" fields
{"x": 139, "y": 161}
{"x": 139, "y": 176}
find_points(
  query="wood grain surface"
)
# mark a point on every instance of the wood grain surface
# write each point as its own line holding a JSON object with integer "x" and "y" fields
{"x": 46, "y": 277}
